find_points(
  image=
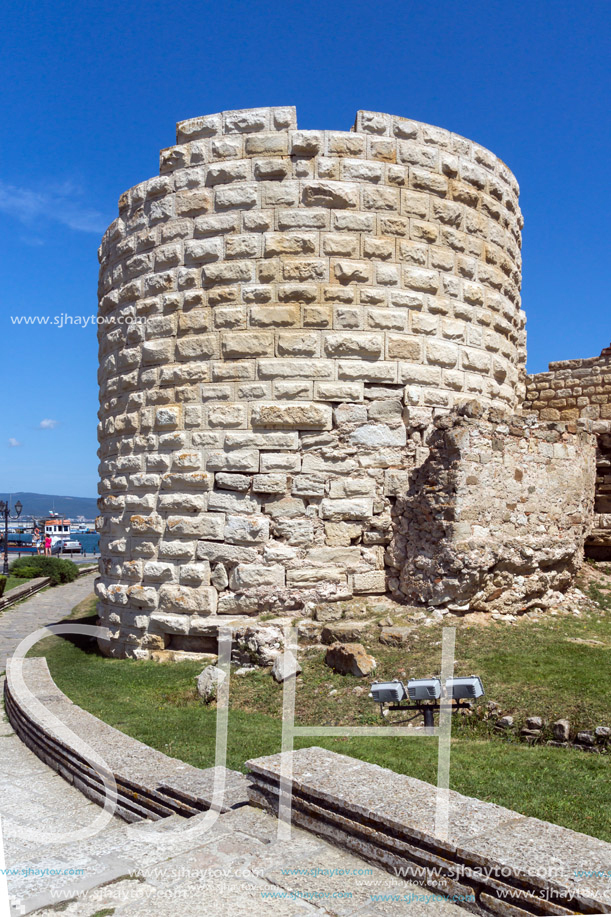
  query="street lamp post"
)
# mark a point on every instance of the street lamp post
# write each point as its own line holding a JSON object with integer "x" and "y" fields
{"x": 5, "y": 511}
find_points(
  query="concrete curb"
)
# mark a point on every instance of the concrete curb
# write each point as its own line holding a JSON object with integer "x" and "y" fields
{"x": 149, "y": 784}
{"x": 24, "y": 591}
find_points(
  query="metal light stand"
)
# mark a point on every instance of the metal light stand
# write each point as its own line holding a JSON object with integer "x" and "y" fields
{"x": 6, "y": 512}
{"x": 427, "y": 710}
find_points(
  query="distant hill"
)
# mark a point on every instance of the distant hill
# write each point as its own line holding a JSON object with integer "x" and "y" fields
{"x": 40, "y": 504}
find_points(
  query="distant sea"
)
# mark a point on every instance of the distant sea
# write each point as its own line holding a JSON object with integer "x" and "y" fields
{"x": 90, "y": 541}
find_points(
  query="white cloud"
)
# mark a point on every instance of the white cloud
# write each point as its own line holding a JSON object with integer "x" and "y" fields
{"x": 48, "y": 424}
{"x": 13, "y": 442}
{"x": 63, "y": 204}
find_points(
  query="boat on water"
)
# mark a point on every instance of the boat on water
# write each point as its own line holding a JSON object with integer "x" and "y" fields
{"x": 66, "y": 537}
{"x": 59, "y": 531}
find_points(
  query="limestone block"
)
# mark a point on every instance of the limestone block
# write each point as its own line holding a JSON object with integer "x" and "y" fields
{"x": 306, "y": 143}
{"x": 240, "y": 197}
{"x": 342, "y": 632}
{"x": 347, "y": 509}
{"x": 275, "y": 483}
{"x": 223, "y": 502}
{"x": 284, "y": 390}
{"x": 274, "y": 316}
{"x": 188, "y": 599}
{"x": 285, "y": 506}
{"x": 354, "y": 344}
{"x": 295, "y": 531}
{"x": 241, "y": 460}
{"x": 251, "y": 576}
{"x": 246, "y": 529}
{"x": 217, "y": 552}
{"x": 380, "y": 371}
{"x": 170, "y": 624}
{"x": 176, "y": 549}
{"x": 289, "y": 243}
{"x": 338, "y": 391}
{"x": 189, "y": 503}
{"x": 206, "y": 525}
{"x": 341, "y": 534}
{"x": 352, "y": 272}
{"x": 160, "y": 351}
{"x": 285, "y": 666}
{"x": 404, "y": 347}
{"x": 308, "y": 485}
{"x": 351, "y": 487}
{"x": 203, "y": 251}
{"x": 274, "y": 369}
{"x": 144, "y": 525}
{"x": 219, "y": 578}
{"x": 338, "y": 195}
{"x": 186, "y": 480}
{"x": 227, "y": 415}
{"x": 243, "y": 344}
{"x": 299, "y": 416}
{"x": 158, "y": 572}
{"x": 348, "y": 557}
{"x": 313, "y": 576}
{"x": 227, "y": 481}
{"x": 141, "y": 596}
{"x": 371, "y": 582}
{"x": 379, "y": 434}
{"x": 297, "y": 344}
{"x": 214, "y": 225}
{"x": 195, "y": 574}
{"x": 280, "y": 461}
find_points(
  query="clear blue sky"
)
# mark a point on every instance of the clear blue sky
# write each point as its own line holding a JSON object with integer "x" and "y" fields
{"x": 91, "y": 92}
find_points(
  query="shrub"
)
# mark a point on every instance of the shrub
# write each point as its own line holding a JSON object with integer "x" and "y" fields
{"x": 57, "y": 569}
{"x": 2, "y": 585}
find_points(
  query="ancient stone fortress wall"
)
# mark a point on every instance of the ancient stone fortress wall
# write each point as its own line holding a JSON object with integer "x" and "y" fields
{"x": 495, "y": 519}
{"x": 573, "y": 389}
{"x": 582, "y": 389}
{"x": 310, "y": 299}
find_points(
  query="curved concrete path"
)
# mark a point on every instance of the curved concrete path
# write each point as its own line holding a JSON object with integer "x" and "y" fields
{"x": 46, "y": 607}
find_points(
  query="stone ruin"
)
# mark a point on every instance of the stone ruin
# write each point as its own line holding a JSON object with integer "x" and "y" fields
{"x": 313, "y": 386}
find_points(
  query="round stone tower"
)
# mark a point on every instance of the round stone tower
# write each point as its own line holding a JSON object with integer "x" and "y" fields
{"x": 282, "y": 313}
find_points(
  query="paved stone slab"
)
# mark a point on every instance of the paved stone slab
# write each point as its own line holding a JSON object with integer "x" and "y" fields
{"x": 241, "y": 868}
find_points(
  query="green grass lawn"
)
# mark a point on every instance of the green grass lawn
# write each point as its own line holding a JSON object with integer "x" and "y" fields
{"x": 13, "y": 581}
{"x": 557, "y": 666}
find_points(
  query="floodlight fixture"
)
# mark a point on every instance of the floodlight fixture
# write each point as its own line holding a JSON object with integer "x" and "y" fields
{"x": 422, "y": 689}
{"x": 388, "y": 692}
{"x": 465, "y": 688}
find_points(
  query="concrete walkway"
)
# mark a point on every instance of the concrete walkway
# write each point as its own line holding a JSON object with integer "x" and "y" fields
{"x": 236, "y": 868}
{"x": 47, "y": 607}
